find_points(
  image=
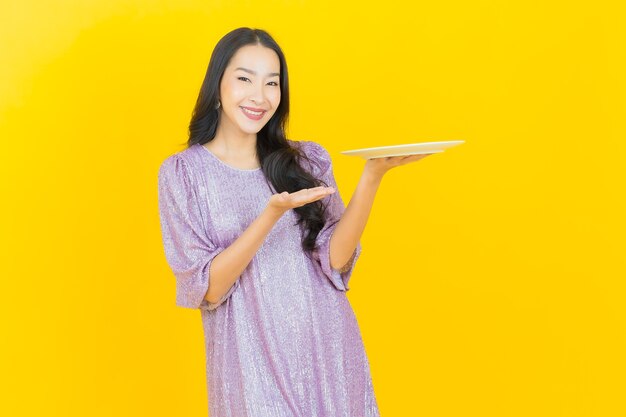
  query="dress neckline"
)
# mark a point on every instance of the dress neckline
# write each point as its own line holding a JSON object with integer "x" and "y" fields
{"x": 225, "y": 164}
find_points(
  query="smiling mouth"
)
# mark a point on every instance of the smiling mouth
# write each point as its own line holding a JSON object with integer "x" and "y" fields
{"x": 253, "y": 113}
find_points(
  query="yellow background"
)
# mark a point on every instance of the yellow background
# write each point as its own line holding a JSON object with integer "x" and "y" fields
{"x": 492, "y": 276}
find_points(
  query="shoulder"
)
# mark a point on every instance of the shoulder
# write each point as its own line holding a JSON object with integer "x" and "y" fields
{"x": 311, "y": 148}
{"x": 177, "y": 167}
{"x": 317, "y": 155}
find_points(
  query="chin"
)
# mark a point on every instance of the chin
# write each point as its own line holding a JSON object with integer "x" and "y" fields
{"x": 250, "y": 132}
{"x": 249, "y": 129}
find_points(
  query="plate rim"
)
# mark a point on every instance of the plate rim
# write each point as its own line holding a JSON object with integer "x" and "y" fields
{"x": 404, "y": 145}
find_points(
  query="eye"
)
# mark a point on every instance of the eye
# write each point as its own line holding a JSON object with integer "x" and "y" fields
{"x": 275, "y": 83}
{"x": 242, "y": 78}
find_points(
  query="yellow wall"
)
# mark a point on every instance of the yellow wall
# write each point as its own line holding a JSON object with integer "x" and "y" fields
{"x": 492, "y": 276}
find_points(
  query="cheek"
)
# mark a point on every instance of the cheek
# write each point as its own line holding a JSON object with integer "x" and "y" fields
{"x": 274, "y": 97}
{"x": 233, "y": 91}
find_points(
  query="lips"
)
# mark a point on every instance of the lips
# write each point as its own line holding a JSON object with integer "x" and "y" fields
{"x": 253, "y": 113}
{"x": 254, "y": 109}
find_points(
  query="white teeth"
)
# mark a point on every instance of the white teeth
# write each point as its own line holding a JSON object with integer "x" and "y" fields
{"x": 254, "y": 113}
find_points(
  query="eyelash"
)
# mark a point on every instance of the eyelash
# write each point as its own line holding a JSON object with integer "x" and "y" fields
{"x": 246, "y": 78}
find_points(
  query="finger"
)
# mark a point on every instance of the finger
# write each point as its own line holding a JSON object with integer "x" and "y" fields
{"x": 403, "y": 160}
{"x": 307, "y": 190}
{"x": 316, "y": 189}
{"x": 311, "y": 193}
{"x": 417, "y": 157}
{"x": 317, "y": 195}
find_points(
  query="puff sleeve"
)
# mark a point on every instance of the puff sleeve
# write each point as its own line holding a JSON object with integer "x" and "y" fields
{"x": 335, "y": 209}
{"x": 188, "y": 250}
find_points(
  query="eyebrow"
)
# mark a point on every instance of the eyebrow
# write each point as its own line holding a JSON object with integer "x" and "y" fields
{"x": 271, "y": 74}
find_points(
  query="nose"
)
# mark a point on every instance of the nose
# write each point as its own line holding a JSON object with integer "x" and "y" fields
{"x": 257, "y": 96}
{"x": 256, "y": 99}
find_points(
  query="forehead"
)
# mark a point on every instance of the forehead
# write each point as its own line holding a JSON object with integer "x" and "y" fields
{"x": 255, "y": 57}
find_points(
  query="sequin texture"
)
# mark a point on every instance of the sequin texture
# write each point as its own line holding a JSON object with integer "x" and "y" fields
{"x": 284, "y": 340}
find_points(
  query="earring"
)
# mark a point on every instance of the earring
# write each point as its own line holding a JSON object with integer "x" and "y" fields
{"x": 218, "y": 105}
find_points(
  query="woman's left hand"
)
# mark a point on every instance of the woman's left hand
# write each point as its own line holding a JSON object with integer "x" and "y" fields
{"x": 379, "y": 166}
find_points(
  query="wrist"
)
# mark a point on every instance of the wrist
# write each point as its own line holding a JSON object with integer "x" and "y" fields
{"x": 273, "y": 212}
{"x": 371, "y": 177}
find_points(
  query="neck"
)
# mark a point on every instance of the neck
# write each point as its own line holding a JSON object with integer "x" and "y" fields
{"x": 234, "y": 142}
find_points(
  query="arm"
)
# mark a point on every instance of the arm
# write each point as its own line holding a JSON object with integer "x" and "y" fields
{"x": 231, "y": 262}
{"x": 346, "y": 236}
{"x": 189, "y": 251}
{"x": 228, "y": 265}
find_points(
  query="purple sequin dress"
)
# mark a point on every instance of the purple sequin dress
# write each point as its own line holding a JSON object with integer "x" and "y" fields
{"x": 284, "y": 340}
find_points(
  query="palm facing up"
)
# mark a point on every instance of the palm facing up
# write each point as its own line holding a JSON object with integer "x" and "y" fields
{"x": 285, "y": 201}
{"x": 379, "y": 166}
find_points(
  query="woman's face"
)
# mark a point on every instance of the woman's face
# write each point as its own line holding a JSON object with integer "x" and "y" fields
{"x": 250, "y": 81}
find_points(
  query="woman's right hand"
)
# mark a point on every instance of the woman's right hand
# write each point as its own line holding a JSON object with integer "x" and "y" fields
{"x": 285, "y": 201}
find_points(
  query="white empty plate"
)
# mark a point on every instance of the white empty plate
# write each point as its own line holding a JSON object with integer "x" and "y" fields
{"x": 403, "y": 150}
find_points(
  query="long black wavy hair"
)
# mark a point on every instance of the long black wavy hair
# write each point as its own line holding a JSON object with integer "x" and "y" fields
{"x": 279, "y": 160}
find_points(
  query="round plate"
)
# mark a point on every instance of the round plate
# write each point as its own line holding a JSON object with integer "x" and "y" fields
{"x": 403, "y": 150}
